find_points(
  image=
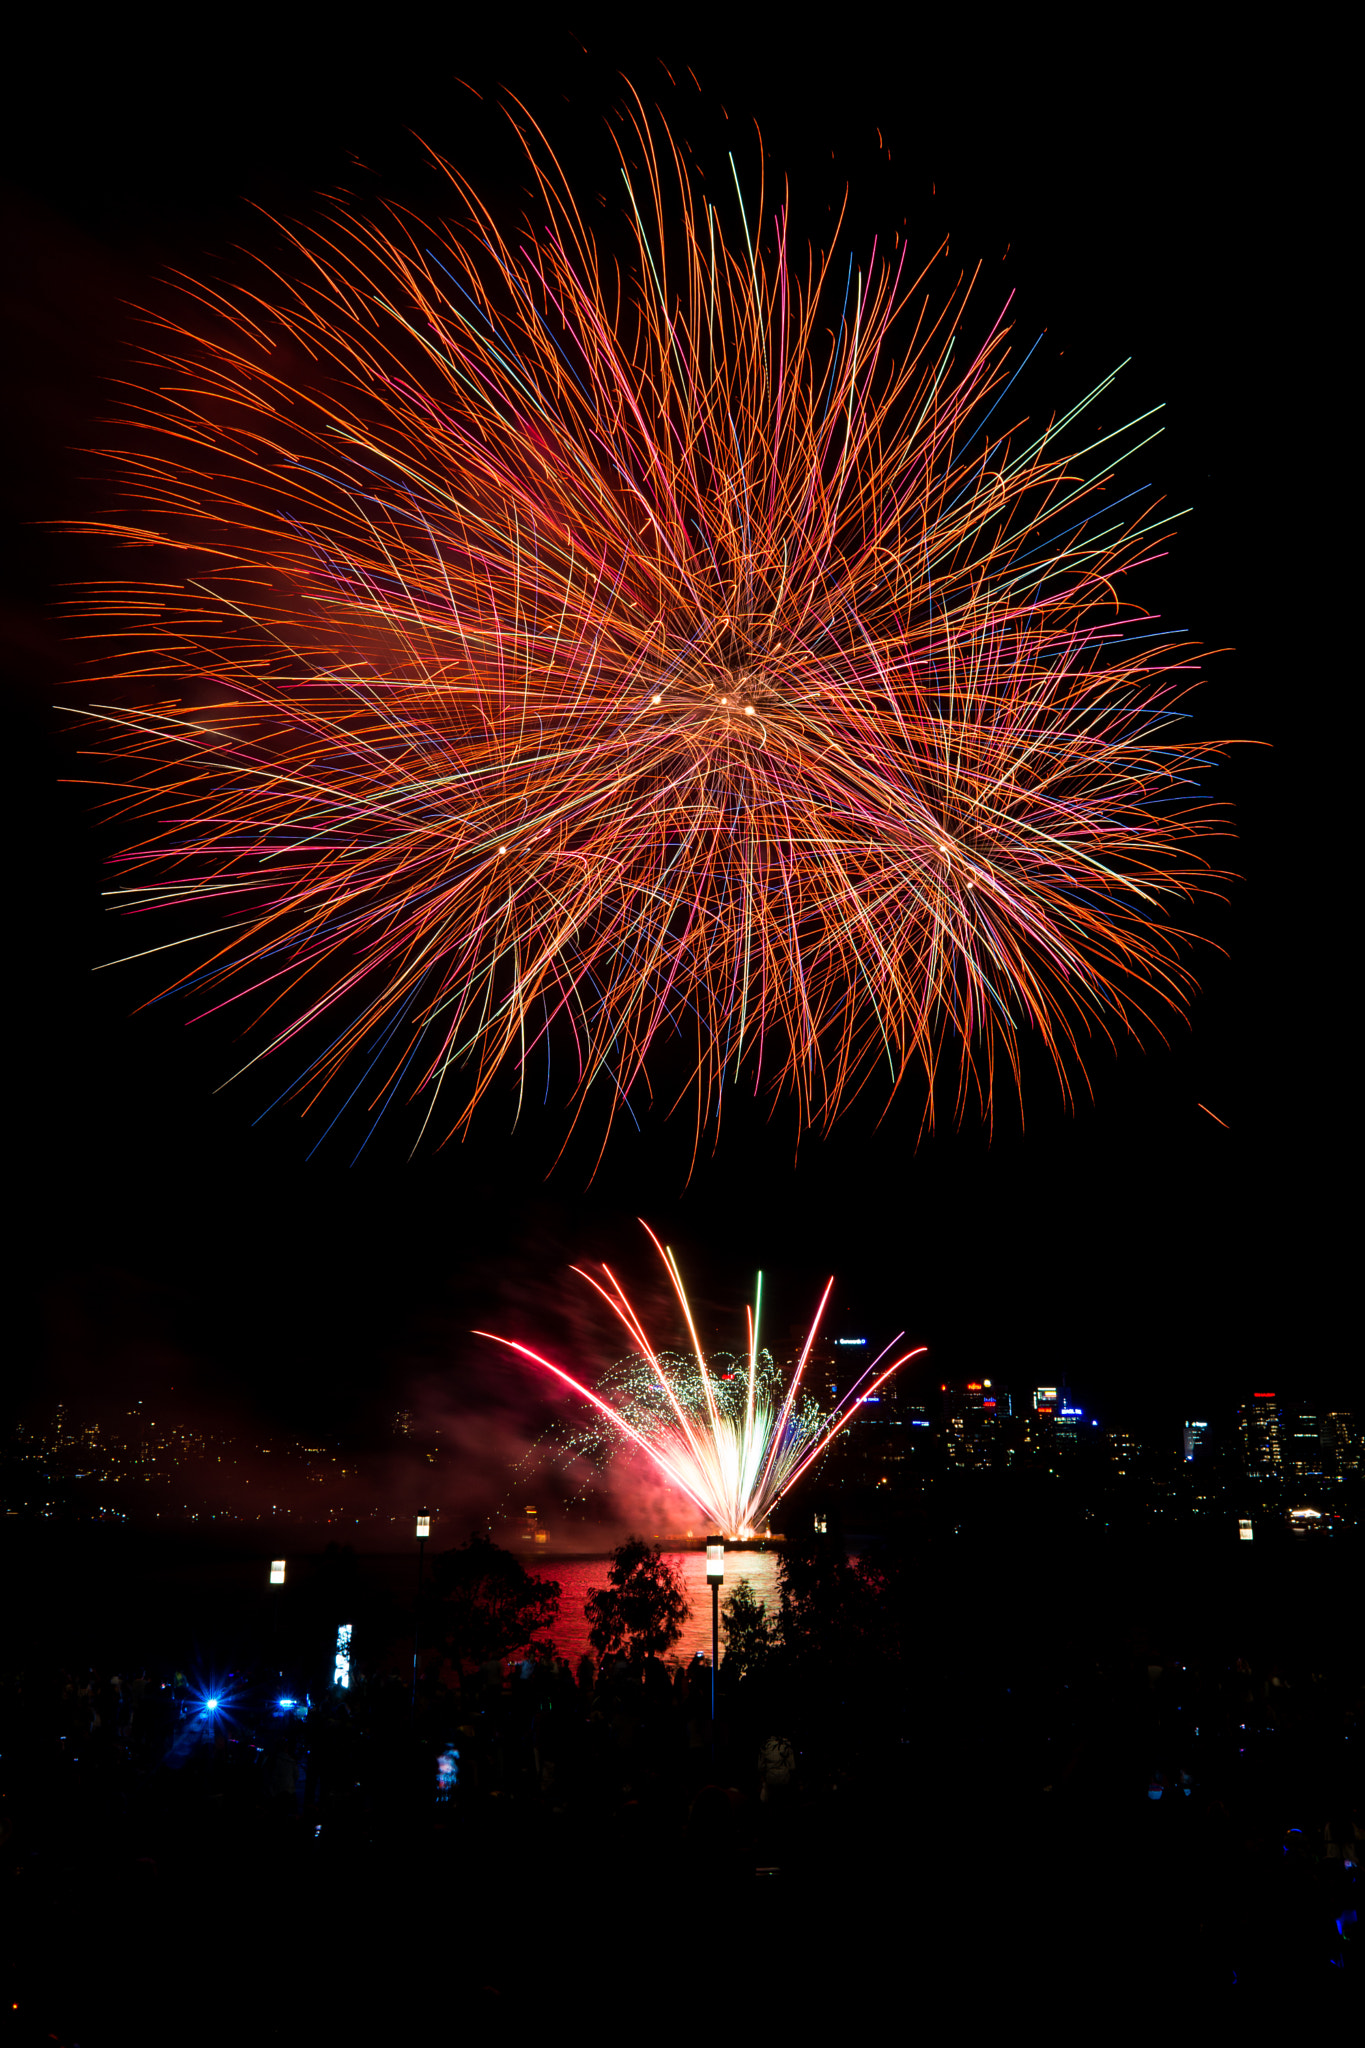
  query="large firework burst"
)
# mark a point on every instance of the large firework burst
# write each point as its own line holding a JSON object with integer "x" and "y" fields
{"x": 731, "y": 1433}
{"x": 601, "y": 661}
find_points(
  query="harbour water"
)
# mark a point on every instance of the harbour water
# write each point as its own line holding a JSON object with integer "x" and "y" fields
{"x": 577, "y": 1577}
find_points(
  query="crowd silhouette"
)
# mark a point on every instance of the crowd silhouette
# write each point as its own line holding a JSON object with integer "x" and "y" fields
{"x": 873, "y": 1794}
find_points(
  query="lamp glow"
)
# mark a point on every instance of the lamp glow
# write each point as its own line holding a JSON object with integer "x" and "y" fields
{"x": 277, "y": 1571}
{"x": 715, "y": 1561}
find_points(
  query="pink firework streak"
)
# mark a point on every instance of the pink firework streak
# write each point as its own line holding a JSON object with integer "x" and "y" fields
{"x": 732, "y": 1443}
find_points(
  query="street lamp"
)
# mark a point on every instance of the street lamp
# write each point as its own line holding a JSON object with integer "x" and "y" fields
{"x": 276, "y": 1579}
{"x": 423, "y": 1531}
{"x": 715, "y": 1579}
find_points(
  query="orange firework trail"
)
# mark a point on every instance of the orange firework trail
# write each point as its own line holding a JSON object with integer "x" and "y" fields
{"x": 686, "y": 655}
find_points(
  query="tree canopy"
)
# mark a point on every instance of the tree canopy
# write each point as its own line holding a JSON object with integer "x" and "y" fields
{"x": 832, "y": 1606}
{"x": 487, "y": 1603}
{"x": 749, "y": 1635}
{"x": 641, "y": 1610}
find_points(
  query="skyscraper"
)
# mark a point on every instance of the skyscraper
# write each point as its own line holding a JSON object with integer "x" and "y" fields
{"x": 1303, "y": 1445}
{"x": 1196, "y": 1440}
{"x": 876, "y": 1440}
{"x": 1340, "y": 1444}
{"x": 974, "y": 1416}
{"x": 1262, "y": 1433}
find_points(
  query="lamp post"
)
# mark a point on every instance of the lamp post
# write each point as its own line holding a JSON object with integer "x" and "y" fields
{"x": 276, "y": 1579}
{"x": 715, "y": 1579}
{"x": 423, "y": 1531}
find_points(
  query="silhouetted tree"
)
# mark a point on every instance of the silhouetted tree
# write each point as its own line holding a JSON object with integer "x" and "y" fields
{"x": 642, "y": 1608}
{"x": 831, "y": 1606}
{"x": 486, "y": 1603}
{"x": 747, "y": 1631}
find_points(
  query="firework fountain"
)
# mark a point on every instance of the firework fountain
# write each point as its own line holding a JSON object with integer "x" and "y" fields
{"x": 568, "y": 660}
{"x": 727, "y": 1433}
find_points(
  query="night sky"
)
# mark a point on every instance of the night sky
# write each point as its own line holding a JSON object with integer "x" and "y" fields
{"x": 1155, "y": 203}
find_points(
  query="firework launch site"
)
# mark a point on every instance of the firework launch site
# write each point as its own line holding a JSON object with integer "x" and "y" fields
{"x": 911, "y": 1751}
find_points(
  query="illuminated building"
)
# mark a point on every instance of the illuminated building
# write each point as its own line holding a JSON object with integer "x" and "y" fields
{"x": 975, "y": 1413}
{"x": 1051, "y": 1427}
{"x": 1303, "y": 1446}
{"x": 1070, "y": 1421}
{"x": 879, "y": 1438}
{"x": 1196, "y": 1440}
{"x": 1340, "y": 1444}
{"x": 1201, "y": 1473}
{"x": 917, "y": 1434}
{"x": 1262, "y": 1436}
{"x": 1124, "y": 1451}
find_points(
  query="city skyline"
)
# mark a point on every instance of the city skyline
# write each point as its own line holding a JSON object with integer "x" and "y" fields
{"x": 1279, "y": 1457}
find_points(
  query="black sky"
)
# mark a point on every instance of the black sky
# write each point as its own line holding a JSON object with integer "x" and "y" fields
{"x": 1158, "y": 201}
